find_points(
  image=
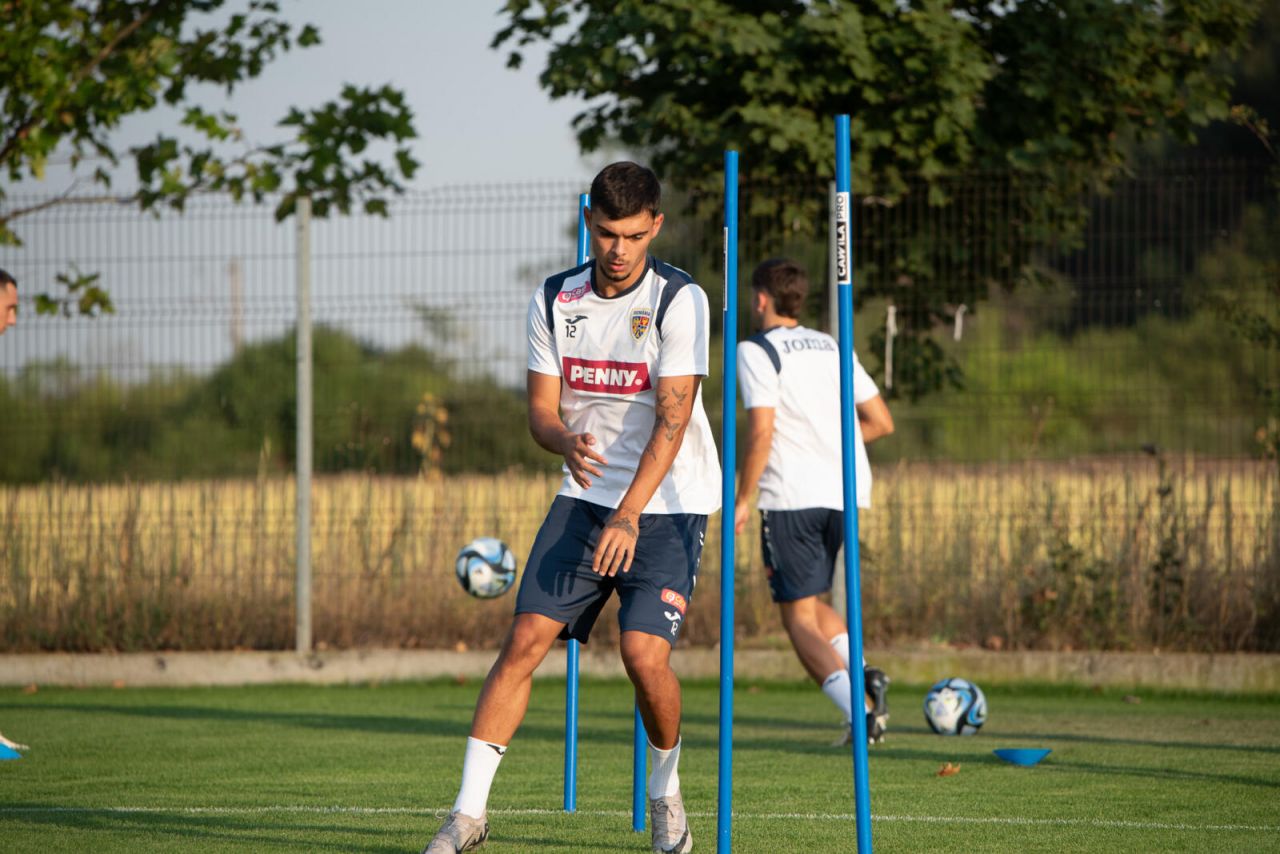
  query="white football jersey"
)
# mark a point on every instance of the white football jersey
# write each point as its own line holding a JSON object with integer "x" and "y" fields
{"x": 796, "y": 372}
{"x": 609, "y": 353}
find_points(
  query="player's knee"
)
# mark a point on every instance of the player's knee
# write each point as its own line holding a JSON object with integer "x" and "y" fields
{"x": 523, "y": 650}
{"x": 645, "y": 660}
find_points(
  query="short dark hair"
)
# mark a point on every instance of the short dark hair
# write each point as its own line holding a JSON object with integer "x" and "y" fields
{"x": 625, "y": 189}
{"x": 785, "y": 281}
{"x": 6, "y": 280}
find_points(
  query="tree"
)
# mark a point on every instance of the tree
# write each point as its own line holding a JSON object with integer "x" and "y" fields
{"x": 72, "y": 70}
{"x": 1049, "y": 95}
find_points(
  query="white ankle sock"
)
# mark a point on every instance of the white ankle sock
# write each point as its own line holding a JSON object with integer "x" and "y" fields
{"x": 840, "y": 643}
{"x": 664, "y": 779}
{"x": 478, "y": 769}
{"x": 839, "y": 690}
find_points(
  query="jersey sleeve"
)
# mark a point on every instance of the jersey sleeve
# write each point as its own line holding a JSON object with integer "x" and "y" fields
{"x": 686, "y": 334}
{"x": 757, "y": 377}
{"x": 864, "y": 388}
{"x": 542, "y": 343}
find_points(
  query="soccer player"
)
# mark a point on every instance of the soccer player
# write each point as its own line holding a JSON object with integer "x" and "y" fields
{"x": 617, "y": 350}
{"x": 790, "y": 378}
{"x": 8, "y": 317}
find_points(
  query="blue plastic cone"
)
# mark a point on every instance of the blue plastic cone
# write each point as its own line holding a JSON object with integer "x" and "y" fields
{"x": 1024, "y": 756}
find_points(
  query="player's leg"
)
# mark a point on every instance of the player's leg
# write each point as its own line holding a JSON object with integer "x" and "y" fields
{"x": 559, "y": 596}
{"x": 799, "y": 557}
{"x": 655, "y": 595}
{"x": 647, "y": 659}
{"x": 505, "y": 695}
{"x": 820, "y": 660}
{"x": 499, "y": 711}
{"x": 833, "y": 627}
{"x": 801, "y": 619}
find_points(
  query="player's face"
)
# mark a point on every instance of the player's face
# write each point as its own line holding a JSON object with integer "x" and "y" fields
{"x": 8, "y": 307}
{"x": 621, "y": 245}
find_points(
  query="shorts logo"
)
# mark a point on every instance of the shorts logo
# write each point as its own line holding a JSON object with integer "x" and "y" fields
{"x": 574, "y": 295}
{"x": 674, "y": 599}
{"x": 674, "y": 617}
{"x": 640, "y": 322}
{"x": 608, "y": 377}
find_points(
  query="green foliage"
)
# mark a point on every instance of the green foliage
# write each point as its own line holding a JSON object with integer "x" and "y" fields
{"x": 1185, "y": 385}
{"x": 1059, "y": 90}
{"x": 80, "y": 424}
{"x": 72, "y": 70}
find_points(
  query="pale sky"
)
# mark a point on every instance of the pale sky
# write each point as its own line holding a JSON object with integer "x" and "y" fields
{"x": 477, "y": 120}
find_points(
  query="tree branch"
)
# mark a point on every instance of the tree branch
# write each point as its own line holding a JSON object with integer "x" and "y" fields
{"x": 61, "y": 199}
{"x": 26, "y": 127}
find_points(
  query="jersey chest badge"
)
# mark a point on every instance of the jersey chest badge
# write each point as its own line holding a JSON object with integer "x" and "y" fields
{"x": 640, "y": 319}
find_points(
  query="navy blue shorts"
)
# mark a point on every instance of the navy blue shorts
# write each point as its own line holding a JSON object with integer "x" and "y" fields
{"x": 800, "y": 548}
{"x": 558, "y": 581}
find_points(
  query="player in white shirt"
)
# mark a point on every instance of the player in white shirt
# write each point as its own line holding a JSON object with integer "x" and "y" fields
{"x": 790, "y": 378}
{"x": 617, "y": 351}
{"x": 8, "y": 317}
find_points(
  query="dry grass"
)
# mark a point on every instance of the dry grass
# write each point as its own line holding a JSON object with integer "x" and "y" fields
{"x": 1115, "y": 554}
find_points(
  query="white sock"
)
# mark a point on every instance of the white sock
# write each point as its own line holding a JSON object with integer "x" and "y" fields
{"x": 664, "y": 779}
{"x": 839, "y": 689}
{"x": 840, "y": 643}
{"x": 478, "y": 769}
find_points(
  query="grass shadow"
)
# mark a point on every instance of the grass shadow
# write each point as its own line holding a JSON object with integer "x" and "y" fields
{"x": 240, "y": 830}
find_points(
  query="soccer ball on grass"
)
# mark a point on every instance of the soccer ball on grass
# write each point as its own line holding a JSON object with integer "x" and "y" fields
{"x": 486, "y": 567}
{"x": 955, "y": 707}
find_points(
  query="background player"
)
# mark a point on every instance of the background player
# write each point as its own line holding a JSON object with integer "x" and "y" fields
{"x": 617, "y": 350}
{"x": 8, "y": 317}
{"x": 790, "y": 378}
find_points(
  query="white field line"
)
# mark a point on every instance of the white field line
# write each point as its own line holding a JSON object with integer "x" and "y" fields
{"x": 779, "y": 816}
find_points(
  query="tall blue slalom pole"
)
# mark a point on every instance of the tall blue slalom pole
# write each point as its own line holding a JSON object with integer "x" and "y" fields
{"x": 728, "y": 455}
{"x": 852, "y": 569}
{"x": 639, "y": 753}
{"x": 571, "y": 659}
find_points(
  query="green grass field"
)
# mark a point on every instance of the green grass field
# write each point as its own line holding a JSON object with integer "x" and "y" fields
{"x": 370, "y": 768}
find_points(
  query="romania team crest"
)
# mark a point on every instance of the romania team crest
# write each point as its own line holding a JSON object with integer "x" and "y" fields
{"x": 640, "y": 322}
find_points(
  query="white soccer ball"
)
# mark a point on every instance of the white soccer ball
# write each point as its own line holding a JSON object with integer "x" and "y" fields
{"x": 486, "y": 567}
{"x": 955, "y": 707}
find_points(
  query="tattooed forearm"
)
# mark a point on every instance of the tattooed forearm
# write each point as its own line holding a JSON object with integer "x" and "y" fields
{"x": 622, "y": 524}
{"x": 667, "y": 413}
{"x": 670, "y": 418}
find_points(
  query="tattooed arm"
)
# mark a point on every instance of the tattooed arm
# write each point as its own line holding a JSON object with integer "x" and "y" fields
{"x": 672, "y": 409}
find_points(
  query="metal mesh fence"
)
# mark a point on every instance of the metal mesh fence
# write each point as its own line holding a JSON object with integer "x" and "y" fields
{"x": 1085, "y": 452}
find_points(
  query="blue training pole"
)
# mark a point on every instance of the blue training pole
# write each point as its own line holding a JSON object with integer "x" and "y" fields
{"x": 853, "y": 581}
{"x": 639, "y": 752}
{"x": 571, "y": 660}
{"x": 728, "y": 455}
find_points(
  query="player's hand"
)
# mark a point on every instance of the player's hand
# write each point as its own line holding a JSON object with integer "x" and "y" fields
{"x": 741, "y": 514}
{"x": 579, "y": 456}
{"x": 617, "y": 546}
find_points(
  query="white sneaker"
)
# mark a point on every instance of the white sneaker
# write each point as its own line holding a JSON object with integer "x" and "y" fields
{"x": 670, "y": 826}
{"x": 459, "y": 833}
